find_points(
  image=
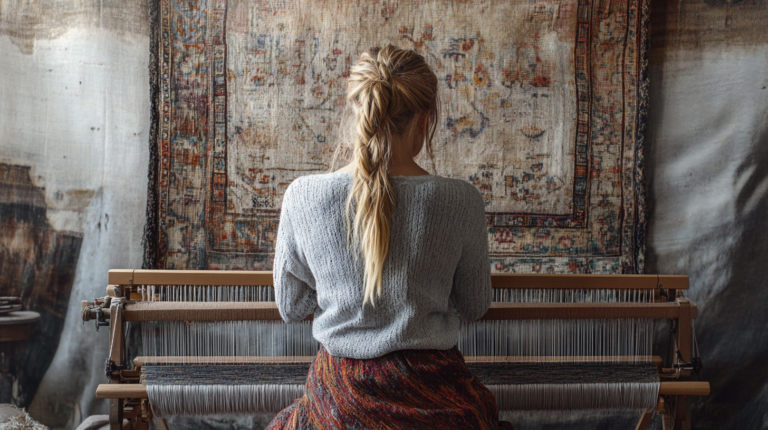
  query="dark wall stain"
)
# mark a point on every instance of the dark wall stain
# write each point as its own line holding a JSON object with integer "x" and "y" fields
{"x": 702, "y": 24}
{"x": 27, "y": 20}
{"x": 38, "y": 264}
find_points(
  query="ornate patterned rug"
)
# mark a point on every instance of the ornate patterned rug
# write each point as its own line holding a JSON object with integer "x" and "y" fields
{"x": 543, "y": 104}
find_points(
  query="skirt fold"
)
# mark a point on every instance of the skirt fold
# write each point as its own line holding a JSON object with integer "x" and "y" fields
{"x": 410, "y": 389}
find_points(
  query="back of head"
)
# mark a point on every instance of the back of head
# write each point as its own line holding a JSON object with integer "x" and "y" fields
{"x": 387, "y": 88}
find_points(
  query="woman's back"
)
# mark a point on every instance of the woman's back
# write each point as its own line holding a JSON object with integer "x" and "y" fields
{"x": 435, "y": 273}
{"x": 388, "y": 264}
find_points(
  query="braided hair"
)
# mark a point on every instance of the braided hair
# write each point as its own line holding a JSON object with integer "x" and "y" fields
{"x": 387, "y": 88}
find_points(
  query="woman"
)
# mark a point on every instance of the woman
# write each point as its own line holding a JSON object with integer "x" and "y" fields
{"x": 389, "y": 259}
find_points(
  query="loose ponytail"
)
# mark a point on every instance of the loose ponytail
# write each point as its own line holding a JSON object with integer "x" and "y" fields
{"x": 387, "y": 88}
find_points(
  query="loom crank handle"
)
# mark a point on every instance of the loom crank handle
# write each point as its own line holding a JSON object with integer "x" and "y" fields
{"x": 696, "y": 365}
{"x": 94, "y": 310}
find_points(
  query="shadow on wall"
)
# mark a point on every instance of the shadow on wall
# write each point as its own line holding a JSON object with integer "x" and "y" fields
{"x": 38, "y": 264}
{"x": 733, "y": 326}
{"x": 708, "y": 190}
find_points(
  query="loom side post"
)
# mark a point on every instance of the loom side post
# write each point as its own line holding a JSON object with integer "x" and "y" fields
{"x": 684, "y": 334}
{"x": 677, "y": 417}
{"x": 682, "y": 420}
{"x": 117, "y": 343}
{"x": 685, "y": 328}
{"x": 645, "y": 420}
{"x": 667, "y": 421}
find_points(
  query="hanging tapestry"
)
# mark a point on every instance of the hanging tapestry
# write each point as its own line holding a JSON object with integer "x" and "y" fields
{"x": 543, "y": 109}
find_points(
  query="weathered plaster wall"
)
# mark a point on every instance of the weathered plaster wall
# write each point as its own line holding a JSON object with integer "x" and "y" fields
{"x": 74, "y": 108}
{"x": 708, "y": 192}
{"x": 707, "y": 164}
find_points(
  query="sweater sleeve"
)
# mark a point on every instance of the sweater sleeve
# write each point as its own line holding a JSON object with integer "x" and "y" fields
{"x": 294, "y": 283}
{"x": 471, "y": 293}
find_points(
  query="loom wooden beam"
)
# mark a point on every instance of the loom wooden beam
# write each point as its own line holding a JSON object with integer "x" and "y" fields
{"x": 684, "y": 388}
{"x": 139, "y": 391}
{"x": 121, "y": 276}
{"x": 121, "y": 391}
{"x": 141, "y": 361}
{"x": 203, "y": 311}
{"x": 267, "y": 311}
{"x": 190, "y": 277}
{"x": 588, "y": 282}
{"x": 498, "y": 280}
{"x": 304, "y": 359}
{"x": 525, "y": 311}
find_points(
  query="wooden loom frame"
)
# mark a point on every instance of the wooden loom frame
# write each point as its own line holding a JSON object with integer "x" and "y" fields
{"x": 128, "y": 398}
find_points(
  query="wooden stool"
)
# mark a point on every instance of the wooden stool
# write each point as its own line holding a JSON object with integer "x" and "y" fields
{"x": 15, "y": 327}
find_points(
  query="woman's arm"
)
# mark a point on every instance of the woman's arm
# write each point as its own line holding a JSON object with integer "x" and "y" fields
{"x": 471, "y": 294}
{"x": 294, "y": 284}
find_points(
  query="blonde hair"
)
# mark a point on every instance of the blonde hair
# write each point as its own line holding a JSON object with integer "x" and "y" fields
{"x": 386, "y": 90}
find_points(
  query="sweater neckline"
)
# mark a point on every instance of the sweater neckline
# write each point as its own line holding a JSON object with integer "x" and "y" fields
{"x": 399, "y": 178}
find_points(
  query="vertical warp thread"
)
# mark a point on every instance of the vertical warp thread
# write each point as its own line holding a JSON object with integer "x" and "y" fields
{"x": 540, "y": 340}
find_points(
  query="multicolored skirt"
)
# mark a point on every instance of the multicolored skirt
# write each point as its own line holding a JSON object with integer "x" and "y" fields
{"x": 410, "y": 389}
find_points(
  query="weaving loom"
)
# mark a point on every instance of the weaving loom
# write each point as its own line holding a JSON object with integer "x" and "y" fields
{"x": 213, "y": 342}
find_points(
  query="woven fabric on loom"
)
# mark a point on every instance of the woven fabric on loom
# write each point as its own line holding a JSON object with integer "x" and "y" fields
{"x": 543, "y": 110}
{"x": 205, "y": 388}
{"x": 489, "y": 373}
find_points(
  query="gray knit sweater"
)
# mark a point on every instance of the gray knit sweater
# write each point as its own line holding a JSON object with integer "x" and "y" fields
{"x": 437, "y": 271}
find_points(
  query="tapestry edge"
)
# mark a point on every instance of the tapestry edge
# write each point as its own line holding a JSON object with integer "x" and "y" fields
{"x": 642, "y": 120}
{"x": 151, "y": 231}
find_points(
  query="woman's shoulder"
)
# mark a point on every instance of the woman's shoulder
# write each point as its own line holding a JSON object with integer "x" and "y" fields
{"x": 464, "y": 188}
{"x": 312, "y": 189}
{"x": 454, "y": 195}
{"x": 319, "y": 184}
{"x": 459, "y": 183}
{"x": 314, "y": 181}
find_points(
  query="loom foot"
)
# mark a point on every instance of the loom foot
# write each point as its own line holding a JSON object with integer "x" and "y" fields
{"x": 674, "y": 412}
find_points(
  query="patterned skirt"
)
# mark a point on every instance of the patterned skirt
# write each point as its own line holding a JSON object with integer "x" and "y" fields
{"x": 409, "y": 389}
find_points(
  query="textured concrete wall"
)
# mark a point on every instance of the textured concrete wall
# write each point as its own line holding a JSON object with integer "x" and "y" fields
{"x": 85, "y": 67}
{"x": 74, "y": 108}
